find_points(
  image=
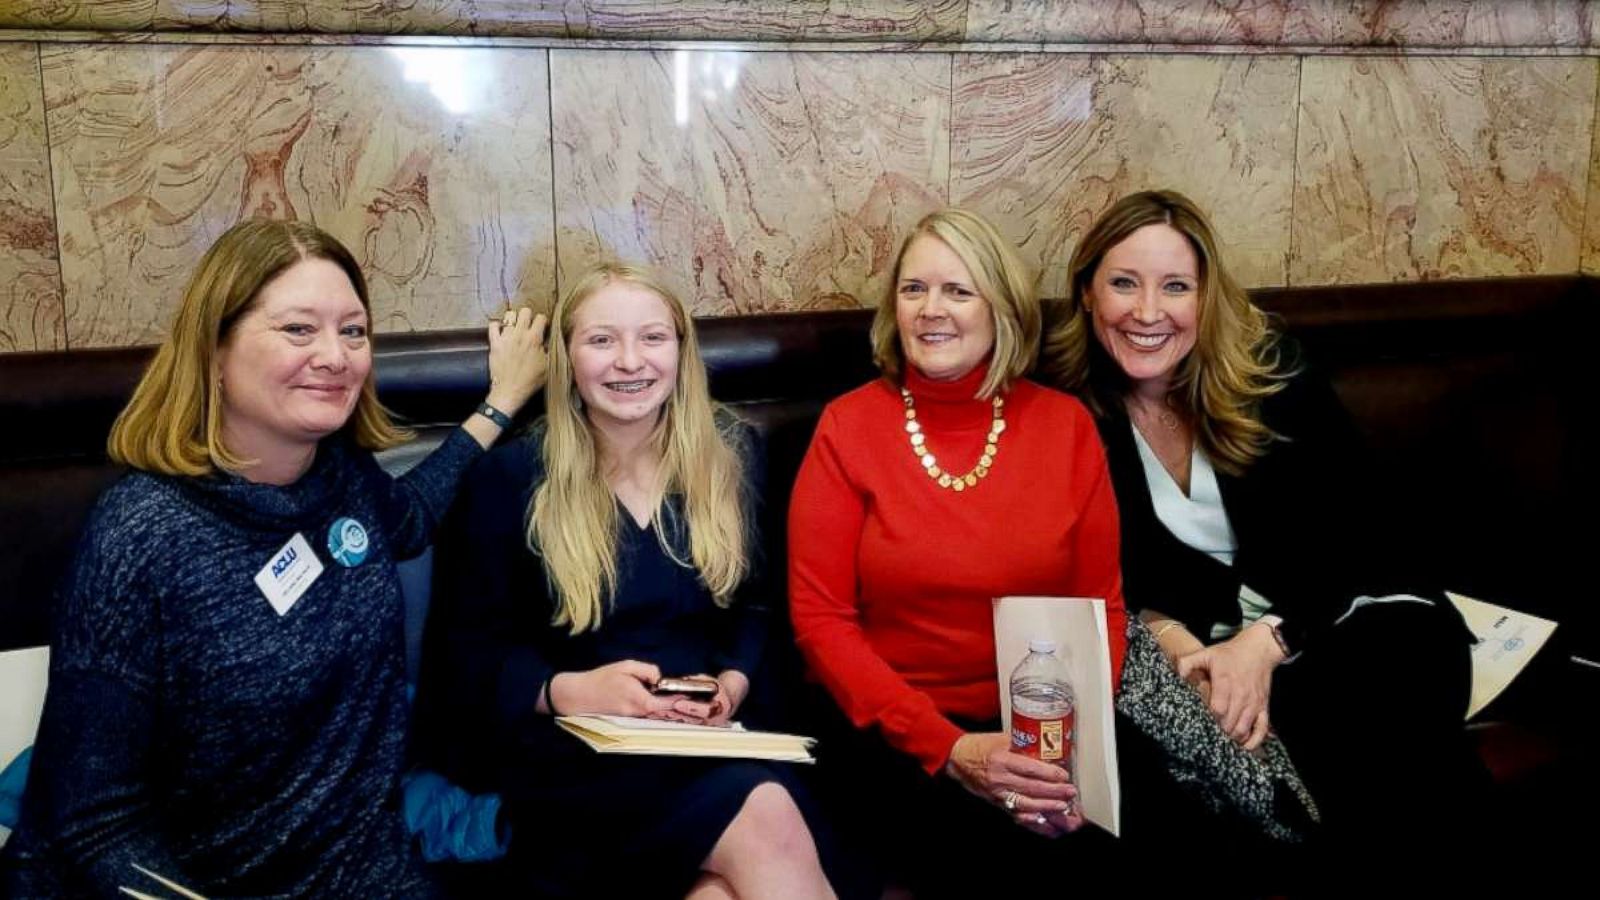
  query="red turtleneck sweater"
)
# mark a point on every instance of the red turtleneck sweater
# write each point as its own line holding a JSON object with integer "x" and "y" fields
{"x": 891, "y": 576}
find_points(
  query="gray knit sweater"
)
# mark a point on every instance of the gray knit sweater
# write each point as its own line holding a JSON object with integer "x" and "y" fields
{"x": 192, "y": 729}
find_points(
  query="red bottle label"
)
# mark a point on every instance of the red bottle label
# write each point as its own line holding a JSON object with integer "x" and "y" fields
{"x": 1046, "y": 739}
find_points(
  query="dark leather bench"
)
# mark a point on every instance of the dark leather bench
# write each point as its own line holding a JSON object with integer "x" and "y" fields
{"x": 1474, "y": 395}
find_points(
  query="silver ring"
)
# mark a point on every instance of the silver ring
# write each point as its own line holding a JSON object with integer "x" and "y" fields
{"x": 1009, "y": 800}
{"x": 1039, "y": 817}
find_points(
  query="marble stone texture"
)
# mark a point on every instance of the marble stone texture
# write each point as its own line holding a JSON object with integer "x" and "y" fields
{"x": 78, "y": 14}
{"x": 1590, "y": 264}
{"x": 1043, "y": 144}
{"x": 839, "y": 20}
{"x": 760, "y": 181}
{"x": 762, "y": 20}
{"x": 1427, "y": 168}
{"x": 360, "y": 16}
{"x": 431, "y": 164}
{"x": 1400, "y": 23}
{"x": 30, "y": 275}
{"x": 750, "y": 181}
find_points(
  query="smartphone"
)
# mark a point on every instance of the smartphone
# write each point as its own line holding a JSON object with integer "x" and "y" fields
{"x": 690, "y": 687}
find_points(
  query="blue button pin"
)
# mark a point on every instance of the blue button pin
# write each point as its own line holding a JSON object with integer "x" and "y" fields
{"x": 347, "y": 542}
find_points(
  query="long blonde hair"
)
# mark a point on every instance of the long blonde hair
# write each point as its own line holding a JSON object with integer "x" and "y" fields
{"x": 1000, "y": 277}
{"x": 1234, "y": 364}
{"x": 173, "y": 423}
{"x": 573, "y": 519}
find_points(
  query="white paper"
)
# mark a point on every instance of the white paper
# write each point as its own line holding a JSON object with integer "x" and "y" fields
{"x": 23, "y": 676}
{"x": 664, "y": 724}
{"x": 1078, "y": 626}
{"x": 622, "y": 734}
{"x": 1507, "y": 642}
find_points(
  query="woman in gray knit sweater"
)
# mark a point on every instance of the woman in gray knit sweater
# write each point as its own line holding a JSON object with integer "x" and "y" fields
{"x": 227, "y": 699}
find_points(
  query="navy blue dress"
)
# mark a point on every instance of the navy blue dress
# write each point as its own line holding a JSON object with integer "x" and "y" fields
{"x": 582, "y": 823}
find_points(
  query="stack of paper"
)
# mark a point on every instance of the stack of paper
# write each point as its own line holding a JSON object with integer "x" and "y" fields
{"x": 622, "y": 734}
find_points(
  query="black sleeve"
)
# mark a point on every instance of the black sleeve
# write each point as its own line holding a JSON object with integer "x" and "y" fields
{"x": 481, "y": 667}
{"x": 748, "y": 624}
{"x": 1321, "y": 530}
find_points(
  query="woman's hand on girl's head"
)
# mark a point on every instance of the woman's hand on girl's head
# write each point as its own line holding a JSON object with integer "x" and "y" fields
{"x": 1239, "y": 673}
{"x": 616, "y": 689}
{"x": 517, "y": 359}
{"x": 1037, "y": 795}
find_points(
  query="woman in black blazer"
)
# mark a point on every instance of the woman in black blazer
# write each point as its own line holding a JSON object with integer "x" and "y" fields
{"x": 1250, "y": 545}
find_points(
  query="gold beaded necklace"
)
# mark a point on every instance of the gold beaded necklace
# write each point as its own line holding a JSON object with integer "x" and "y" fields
{"x": 919, "y": 447}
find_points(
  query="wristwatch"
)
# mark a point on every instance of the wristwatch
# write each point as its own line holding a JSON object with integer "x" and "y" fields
{"x": 1275, "y": 623}
{"x": 494, "y": 415}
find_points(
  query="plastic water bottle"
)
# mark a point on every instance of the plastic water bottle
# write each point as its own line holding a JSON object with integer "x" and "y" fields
{"x": 1043, "y": 706}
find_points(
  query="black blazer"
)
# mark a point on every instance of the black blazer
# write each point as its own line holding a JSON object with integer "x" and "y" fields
{"x": 1311, "y": 534}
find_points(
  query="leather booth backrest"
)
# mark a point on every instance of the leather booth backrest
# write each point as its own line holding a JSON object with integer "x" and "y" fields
{"x": 1457, "y": 386}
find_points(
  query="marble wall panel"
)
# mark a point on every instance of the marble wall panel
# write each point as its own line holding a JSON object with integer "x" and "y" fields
{"x": 1466, "y": 23}
{"x": 1128, "y": 21}
{"x": 357, "y": 16}
{"x": 751, "y": 181}
{"x": 1590, "y": 263}
{"x": 453, "y": 17}
{"x": 1426, "y": 168}
{"x": 87, "y": 15}
{"x": 432, "y": 164}
{"x": 30, "y": 274}
{"x": 905, "y": 20}
{"x": 1337, "y": 23}
{"x": 1043, "y": 144}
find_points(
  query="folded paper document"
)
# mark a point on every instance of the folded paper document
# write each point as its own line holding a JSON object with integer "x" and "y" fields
{"x": 1507, "y": 642}
{"x": 622, "y": 734}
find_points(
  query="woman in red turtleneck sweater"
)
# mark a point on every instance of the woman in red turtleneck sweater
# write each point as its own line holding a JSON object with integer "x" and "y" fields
{"x": 900, "y": 536}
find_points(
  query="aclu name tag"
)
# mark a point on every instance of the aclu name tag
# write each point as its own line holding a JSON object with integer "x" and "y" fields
{"x": 291, "y": 573}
